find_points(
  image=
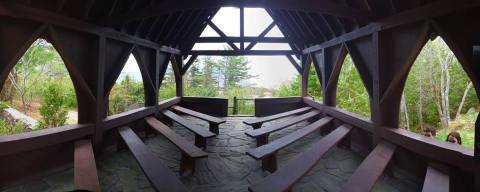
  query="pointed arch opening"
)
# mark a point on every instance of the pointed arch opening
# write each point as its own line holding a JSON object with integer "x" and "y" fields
{"x": 128, "y": 91}
{"x": 351, "y": 92}
{"x": 438, "y": 95}
{"x": 314, "y": 87}
{"x": 38, "y": 92}
{"x": 168, "y": 87}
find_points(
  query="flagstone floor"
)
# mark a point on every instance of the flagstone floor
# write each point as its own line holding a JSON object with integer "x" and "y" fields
{"x": 227, "y": 167}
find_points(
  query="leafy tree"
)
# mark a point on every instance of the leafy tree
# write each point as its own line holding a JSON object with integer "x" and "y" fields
{"x": 53, "y": 110}
{"x": 30, "y": 70}
{"x": 126, "y": 95}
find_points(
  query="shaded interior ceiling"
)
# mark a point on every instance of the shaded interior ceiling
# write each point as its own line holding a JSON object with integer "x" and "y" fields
{"x": 178, "y": 23}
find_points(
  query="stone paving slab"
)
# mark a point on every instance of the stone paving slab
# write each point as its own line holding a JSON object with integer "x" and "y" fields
{"x": 227, "y": 167}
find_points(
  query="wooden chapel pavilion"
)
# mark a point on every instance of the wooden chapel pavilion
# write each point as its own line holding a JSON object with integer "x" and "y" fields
{"x": 95, "y": 38}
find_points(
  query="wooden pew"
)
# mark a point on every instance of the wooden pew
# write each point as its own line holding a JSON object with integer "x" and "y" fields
{"x": 367, "y": 174}
{"x": 257, "y": 122}
{"x": 437, "y": 179}
{"x": 267, "y": 152}
{"x": 261, "y": 135}
{"x": 189, "y": 151}
{"x": 160, "y": 176}
{"x": 213, "y": 121}
{"x": 284, "y": 178}
{"x": 201, "y": 134}
{"x": 85, "y": 170}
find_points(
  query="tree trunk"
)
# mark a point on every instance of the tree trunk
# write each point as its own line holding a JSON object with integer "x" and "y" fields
{"x": 465, "y": 93}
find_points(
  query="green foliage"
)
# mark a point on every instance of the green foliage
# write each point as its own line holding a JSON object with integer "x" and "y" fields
{"x": 6, "y": 128}
{"x": 351, "y": 93}
{"x": 53, "y": 109}
{"x": 126, "y": 95}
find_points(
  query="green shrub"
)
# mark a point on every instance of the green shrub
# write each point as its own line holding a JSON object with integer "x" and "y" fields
{"x": 53, "y": 109}
{"x": 6, "y": 128}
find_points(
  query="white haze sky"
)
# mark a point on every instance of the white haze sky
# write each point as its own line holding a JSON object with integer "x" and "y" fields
{"x": 271, "y": 71}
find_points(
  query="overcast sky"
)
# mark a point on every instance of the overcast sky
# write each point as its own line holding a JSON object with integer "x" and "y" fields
{"x": 271, "y": 71}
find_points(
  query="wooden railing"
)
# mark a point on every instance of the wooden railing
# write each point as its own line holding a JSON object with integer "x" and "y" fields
{"x": 440, "y": 151}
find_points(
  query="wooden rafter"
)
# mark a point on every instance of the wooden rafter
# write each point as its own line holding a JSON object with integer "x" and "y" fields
{"x": 169, "y": 6}
{"x": 222, "y": 34}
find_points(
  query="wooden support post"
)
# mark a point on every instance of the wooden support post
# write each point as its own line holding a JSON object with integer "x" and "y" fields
{"x": 476, "y": 61}
{"x": 262, "y": 140}
{"x": 270, "y": 163}
{"x": 214, "y": 128}
{"x": 177, "y": 64}
{"x": 186, "y": 163}
{"x": 200, "y": 141}
{"x": 306, "y": 61}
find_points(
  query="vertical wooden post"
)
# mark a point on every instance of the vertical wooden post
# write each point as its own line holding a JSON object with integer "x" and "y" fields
{"x": 177, "y": 64}
{"x": 101, "y": 108}
{"x": 242, "y": 28}
{"x": 476, "y": 61}
{"x": 306, "y": 61}
{"x": 235, "y": 106}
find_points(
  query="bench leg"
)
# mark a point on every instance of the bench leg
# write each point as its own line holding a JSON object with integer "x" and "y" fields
{"x": 262, "y": 140}
{"x": 200, "y": 141}
{"x": 257, "y": 126}
{"x": 165, "y": 120}
{"x": 186, "y": 163}
{"x": 270, "y": 163}
{"x": 214, "y": 128}
{"x": 149, "y": 131}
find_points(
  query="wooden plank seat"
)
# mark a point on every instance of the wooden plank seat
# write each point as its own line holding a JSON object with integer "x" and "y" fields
{"x": 261, "y": 135}
{"x": 367, "y": 174}
{"x": 213, "y": 121}
{"x": 437, "y": 179}
{"x": 284, "y": 178}
{"x": 257, "y": 122}
{"x": 201, "y": 134}
{"x": 189, "y": 151}
{"x": 160, "y": 176}
{"x": 267, "y": 152}
{"x": 85, "y": 170}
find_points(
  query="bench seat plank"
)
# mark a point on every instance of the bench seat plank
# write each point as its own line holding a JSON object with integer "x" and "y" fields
{"x": 189, "y": 125}
{"x": 367, "y": 174}
{"x": 85, "y": 170}
{"x": 274, "y": 146}
{"x": 199, "y": 115}
{"x": 184, "y": 146}
{"x": 261, "y": 120}
{"x": 160, "y": 176}
{"x": 281, "y": 125}
{"x": 213, "y": 121}
{"x": 284, "y": 178}
{"x": 436, "y": 180}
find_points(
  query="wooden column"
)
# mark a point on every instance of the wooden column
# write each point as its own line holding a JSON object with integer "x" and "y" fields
{"x": 306, "y": 62}
{"x": 177, "y": 64}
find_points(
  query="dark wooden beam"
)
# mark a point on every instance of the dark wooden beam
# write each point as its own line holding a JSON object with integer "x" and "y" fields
{"x": 262, "y": 35}
{"x": 239, "y": 39}
{"x": 222, "y": 34}
{"x": 88, "y": 7}
{"x": 24, "y": 12}
{"x": 428, "y": 11}
{"x": 189, "y": 63}
{"x": 295, "y": 64}
{"x": 242, "y": 28}
{"x": 246, "y": 52}
{"x": 170, "y": 6}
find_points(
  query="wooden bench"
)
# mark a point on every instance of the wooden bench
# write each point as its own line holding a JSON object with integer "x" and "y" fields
{"x": 367, "y": 174}
{"x": 261, "y": 135}
{"x": 201, "y": 134}
{"x": 189, "y": 151}
{"x": 85, "y": 170}
{"x": 257, "y": 122}
{"x": 160, "y": 176}
{"x": 284, "y": 178}
{"x": 437, "y": 179}
{"x": 213, "y": 121}
{"x": 267, "y": 152}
